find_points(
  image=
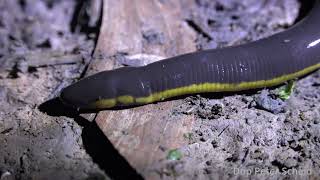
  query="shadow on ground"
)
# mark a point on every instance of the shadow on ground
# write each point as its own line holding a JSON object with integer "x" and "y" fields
{"x": 95, "y": 142}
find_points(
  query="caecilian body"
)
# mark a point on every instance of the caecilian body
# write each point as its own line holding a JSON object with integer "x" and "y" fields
{"x": 263, "y": 63}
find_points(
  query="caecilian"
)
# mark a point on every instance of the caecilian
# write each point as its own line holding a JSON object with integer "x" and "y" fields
{"x": 263, "y": 63}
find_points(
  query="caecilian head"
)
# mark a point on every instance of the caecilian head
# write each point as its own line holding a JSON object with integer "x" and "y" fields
{"x": 86, "y": 93}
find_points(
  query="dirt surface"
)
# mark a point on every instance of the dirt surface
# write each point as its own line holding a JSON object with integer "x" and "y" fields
{"x": 40, "y": 55}
{"x": 46, "y": 45}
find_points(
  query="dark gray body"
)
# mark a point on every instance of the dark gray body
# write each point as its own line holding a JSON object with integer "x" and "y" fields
{"x": 281, "y": 54}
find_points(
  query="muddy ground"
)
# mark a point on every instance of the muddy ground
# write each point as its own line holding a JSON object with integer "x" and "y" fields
{"x": 45, "y": 45}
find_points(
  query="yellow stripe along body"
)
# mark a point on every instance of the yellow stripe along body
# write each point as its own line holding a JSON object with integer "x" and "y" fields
{"x": 199, "y": 88}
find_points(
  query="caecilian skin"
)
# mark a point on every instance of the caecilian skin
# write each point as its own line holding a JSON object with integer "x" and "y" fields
{"x": 263, "y": 63}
